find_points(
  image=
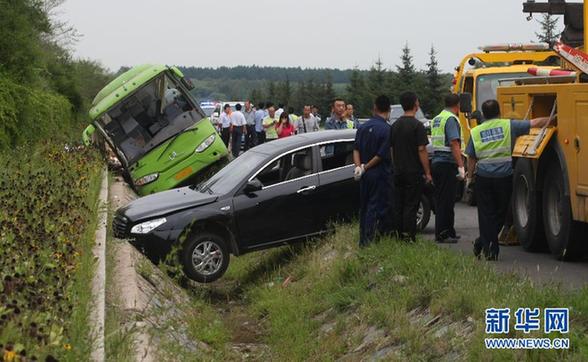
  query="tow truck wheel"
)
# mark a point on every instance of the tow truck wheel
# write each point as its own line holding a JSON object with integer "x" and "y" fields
{"x": 526, "y": 205}
{"x": 562, "y": 233}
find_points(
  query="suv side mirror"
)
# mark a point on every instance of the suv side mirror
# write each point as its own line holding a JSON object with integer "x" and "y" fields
{"x": 465, "y": 103}
{"x": 252, "y": 187}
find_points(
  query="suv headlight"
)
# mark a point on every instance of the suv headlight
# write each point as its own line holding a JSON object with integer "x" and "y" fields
{"x": 147, "y": 226}
{"x": 206, "y": 143}
{"x": 146, "y": 179}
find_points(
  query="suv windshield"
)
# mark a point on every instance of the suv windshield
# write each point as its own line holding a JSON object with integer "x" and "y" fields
{"x": 152, "y": 115}
{"x": 487, "y": 84}
{"x": 233, "y": 174}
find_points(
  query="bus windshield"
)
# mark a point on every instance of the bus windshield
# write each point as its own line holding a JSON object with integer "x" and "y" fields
{"x": 152, "y": 115}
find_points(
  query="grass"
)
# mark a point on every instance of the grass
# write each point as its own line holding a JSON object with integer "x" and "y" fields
{"x": 421, "y": 302}
{"x": 81, "y": 288}
{"x": 48, "y": 213}
{"x": 118, "y": 335}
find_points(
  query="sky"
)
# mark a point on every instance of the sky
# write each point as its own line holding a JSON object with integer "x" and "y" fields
{"x": 306, "y": 33}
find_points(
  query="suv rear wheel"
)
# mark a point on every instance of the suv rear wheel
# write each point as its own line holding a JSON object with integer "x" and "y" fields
{"x": 205, "y": 257}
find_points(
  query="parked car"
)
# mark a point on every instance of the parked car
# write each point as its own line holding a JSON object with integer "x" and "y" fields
{"x": 396, "y": 112}
{"x": 276, "y": 193}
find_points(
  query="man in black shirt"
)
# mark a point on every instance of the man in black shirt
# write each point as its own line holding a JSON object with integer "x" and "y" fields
{"x": 408, "y": 139}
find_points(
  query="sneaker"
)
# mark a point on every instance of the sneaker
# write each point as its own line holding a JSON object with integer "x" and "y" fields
{"x": 455, "y": 236}
{"x": 447, "y": 241}
{"x": 477, "y": 249}
{"x": 491, "y": 257}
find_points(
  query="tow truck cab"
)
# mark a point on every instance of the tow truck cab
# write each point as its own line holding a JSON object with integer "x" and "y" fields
{"x": 479, "y": 74}
{"x": 160, "y": 134}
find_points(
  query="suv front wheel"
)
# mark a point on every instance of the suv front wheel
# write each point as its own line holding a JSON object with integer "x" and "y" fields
{"x": 205, "y": 257}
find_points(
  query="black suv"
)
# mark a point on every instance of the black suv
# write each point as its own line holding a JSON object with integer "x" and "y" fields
{"x": 279, "y": 192}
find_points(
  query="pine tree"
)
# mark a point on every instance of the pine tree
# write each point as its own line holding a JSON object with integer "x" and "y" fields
{"x": 549, "y": 33}
{"x": 299, "y": 99}
{"x": 256, "y": 96}
{"x": 406, "y": 71}
{"x": 432, "y": 103}
{"x": 284, "y": 92}
{"x": 358, "y": 94}
{"x": 376, "y": 82}
{"x": 271, "y": 92}
{"x": 328, "y": 94}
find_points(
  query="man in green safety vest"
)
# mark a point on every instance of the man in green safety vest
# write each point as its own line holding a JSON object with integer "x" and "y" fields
{"x": 490, "y": 150}
{"x": 447, "y": 168}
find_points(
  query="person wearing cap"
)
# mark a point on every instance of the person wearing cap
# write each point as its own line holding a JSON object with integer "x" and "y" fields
{"x": 447, "y": 168}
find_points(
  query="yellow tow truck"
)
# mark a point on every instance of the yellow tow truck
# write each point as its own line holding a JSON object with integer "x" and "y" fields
{"x": 550, "y": 190}
{"x": 478, "y": 75}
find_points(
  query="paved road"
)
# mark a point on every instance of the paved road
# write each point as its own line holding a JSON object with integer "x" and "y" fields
{"x": 539, "y": 267}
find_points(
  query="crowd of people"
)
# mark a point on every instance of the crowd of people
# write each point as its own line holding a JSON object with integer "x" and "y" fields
{"x": 393, "y": 165}
{"x": 247, "y": 126}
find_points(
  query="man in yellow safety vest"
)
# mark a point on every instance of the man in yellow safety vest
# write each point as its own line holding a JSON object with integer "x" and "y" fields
{"x": 490, "y": 150}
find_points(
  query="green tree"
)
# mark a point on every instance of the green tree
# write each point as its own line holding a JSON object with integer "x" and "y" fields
{"x": 358, "y": 94}
{"x": 406, "y": 71}
{"x": 256, "y": 96}
{"x": 284, "y": 92}
{"x": 549, "y": 33}
{"x": 300, "y": 97}
{"x": 376, "y": 81}
{"x": 271, "y": 92}
{"x": 23, "y": 25}
{"x": 433, "y": 92}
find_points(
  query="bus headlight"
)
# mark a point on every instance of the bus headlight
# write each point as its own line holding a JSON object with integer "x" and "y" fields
{"x": 146, "y": 179}
{"x": 205, "y": 144}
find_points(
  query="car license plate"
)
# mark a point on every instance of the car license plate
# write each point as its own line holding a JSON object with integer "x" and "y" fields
{"x": 184, "y": 173}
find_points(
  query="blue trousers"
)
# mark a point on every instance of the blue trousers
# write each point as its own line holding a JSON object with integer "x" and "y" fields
{"x": 374, "y": 216}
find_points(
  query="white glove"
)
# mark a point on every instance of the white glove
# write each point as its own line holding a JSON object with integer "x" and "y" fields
{"x": 358, "y": 172}
{"x": 460, "y": 173}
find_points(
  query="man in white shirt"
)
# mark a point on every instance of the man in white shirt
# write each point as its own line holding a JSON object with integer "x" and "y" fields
{"x": 238, "y": 129}
{"x": 308, "y": 122}
{"x": 225, "y": 123}
{"x": 249, "y": 114}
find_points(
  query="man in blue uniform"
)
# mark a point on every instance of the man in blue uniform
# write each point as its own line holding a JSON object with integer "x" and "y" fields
{"x": 373, "y": 167}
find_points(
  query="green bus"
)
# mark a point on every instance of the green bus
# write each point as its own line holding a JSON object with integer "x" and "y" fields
{"x": 160, "y": 134}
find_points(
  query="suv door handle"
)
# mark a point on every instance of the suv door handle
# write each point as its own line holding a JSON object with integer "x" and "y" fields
{"x": 306, "y": 189}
